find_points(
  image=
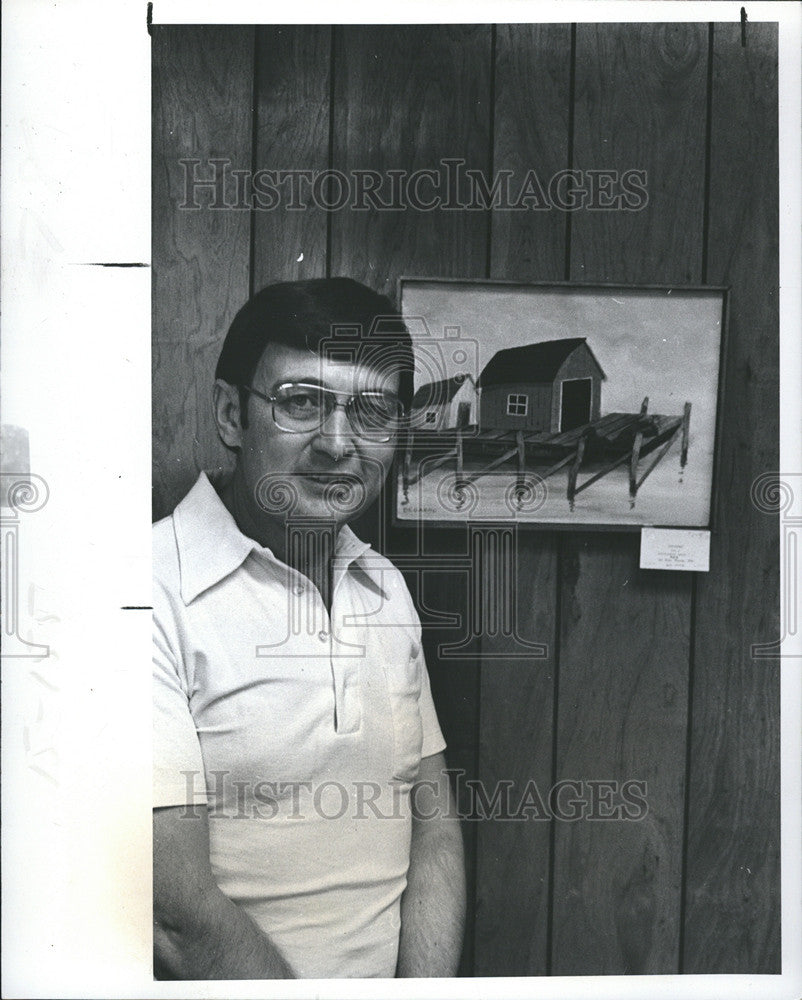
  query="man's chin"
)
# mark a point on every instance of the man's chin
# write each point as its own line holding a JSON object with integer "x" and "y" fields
{"x": 331, "y": 498}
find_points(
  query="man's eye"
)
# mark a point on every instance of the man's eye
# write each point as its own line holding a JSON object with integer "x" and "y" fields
{"x": 303, "y": 401}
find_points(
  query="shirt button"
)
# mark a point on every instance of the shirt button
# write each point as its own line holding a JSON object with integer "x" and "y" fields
{"x": 299, "y": 589}
{"x": 323, "y": 635}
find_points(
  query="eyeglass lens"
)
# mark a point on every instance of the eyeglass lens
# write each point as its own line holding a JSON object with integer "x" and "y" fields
{"x": 305, "y": 407}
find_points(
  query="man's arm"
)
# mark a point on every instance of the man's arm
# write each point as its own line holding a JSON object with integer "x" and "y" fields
{"x": 433, "y": 904}
{"x": 198, "y": 932}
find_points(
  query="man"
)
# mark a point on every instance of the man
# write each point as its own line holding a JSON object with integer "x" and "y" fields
{"x": 303, "y": 822}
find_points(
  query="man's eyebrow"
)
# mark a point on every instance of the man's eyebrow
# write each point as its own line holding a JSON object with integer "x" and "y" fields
{"x": 298, "y": 380}
{"x": 312, "y": 380}
{"x": 302, "y": 379}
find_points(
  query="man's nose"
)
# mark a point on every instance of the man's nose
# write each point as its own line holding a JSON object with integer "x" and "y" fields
{"x": 336, "y": 435}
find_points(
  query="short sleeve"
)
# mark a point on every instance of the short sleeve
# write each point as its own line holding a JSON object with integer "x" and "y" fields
{"x": 433, "y": 741}
{"x": 178, "y": 774}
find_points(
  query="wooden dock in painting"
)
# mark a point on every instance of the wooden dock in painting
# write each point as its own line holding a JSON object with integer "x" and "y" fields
{"x": 613, "y": 440}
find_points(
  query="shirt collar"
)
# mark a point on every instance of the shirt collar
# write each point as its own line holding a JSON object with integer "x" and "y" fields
{"x": 211, "y": 546}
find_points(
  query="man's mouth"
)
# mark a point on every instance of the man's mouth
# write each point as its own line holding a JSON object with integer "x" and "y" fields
{"x": 335, "y": 484}
{"x": 326, "y": 478}
{"x": 344, "y": 492}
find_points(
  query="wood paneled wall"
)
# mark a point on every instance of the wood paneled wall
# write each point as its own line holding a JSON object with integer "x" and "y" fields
{"x": 648, "y": 675}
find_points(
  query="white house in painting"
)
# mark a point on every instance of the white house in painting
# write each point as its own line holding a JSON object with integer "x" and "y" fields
{"x": 449, "y": 403}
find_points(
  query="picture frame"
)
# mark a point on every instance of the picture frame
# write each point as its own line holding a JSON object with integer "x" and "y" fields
{"x": 561, "y": 404}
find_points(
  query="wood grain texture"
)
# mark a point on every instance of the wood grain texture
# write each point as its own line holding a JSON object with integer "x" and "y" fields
{"x": 406, "y": 98}
{"x": 733, "y": 874}
{"x": 202, "y": 88}
{"x": 531, "y": 132}
{"x": 515, "y": 738}
{"x": 293, "y": 102}
{"x": 441, "y": 593}
{"x": 640, "y": 104}
{"x": 622, "y": 717}
{"x": 531, "y": 115}
{"x": 625, "y": 643}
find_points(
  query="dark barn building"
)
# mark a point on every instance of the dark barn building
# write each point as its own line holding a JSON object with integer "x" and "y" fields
{"x": 552, "y": 387}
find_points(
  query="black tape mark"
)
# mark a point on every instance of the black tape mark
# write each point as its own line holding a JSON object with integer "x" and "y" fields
{"x": 743, "y": 27}
{"x": 137, "y": 607}
{"x": 120, "y": 264}
{"x": 150, "y": 19}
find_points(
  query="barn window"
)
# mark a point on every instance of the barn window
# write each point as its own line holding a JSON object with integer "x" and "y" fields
{"x": 517, "y": 404}
{"x": 430, "y": 417}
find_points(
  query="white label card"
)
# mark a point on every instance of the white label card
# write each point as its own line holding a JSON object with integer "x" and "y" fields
{"x": 673, "y": 548}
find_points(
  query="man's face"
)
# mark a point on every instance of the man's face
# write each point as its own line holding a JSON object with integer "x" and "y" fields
{"x": 331, "y": 471}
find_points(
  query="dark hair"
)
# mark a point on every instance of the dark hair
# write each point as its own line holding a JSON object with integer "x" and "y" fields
{"x": 337, "y": 316}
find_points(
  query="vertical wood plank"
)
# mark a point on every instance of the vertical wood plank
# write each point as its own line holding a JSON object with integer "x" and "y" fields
{"x": 733, "y": 876}
{"x": 531, "y": 117}
{"x": 202, "y": 89}
{"x": 293, "y": 103}
{"x": 640, "y": 105}
{"x": 624, "y": 644}
{"x": 622, "y": 717}
{"x": 531, "y": 133}
{"x": 407, "y": 97}
{"x": 516, "y": 749}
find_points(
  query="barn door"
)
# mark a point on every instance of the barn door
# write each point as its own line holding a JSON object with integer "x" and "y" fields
{"x": 575, "y": 405}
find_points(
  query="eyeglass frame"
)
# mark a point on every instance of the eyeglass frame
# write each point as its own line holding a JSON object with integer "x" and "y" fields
{"x": 331, "y": 392}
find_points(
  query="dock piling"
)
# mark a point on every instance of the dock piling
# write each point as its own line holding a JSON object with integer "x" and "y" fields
{"x": 407, "y": 468}
{"x": 574, "y": 470}
{"x": 520, "y": 482}
{"x": 686, "y": 423}
{"x": 634, "y": 459}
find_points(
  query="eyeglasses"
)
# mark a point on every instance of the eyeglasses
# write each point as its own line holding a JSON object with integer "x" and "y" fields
{"x": 299, "y": 408}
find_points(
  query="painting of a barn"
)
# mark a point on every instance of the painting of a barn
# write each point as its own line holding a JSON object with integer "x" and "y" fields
{"x": 552, "y": 386}
{"x": 448, "y": 403}
{"x": 513, "y": 422}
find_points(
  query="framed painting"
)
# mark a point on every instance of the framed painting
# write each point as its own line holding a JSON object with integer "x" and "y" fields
{"x": 561, "y": 405}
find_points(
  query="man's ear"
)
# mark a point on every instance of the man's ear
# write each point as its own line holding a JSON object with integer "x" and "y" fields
{"x": 227, "y": 413}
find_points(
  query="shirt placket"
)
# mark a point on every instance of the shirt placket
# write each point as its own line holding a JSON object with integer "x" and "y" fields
{"x": 309, "y": 616}
{"x": 345, "y": 660}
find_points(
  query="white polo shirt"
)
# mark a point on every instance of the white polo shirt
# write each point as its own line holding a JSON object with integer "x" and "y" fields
{"x": 302, "y": 731}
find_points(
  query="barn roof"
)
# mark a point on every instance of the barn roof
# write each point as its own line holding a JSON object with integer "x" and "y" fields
{"x": 536, "y": 362}
{"x": 437, "y": 393}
